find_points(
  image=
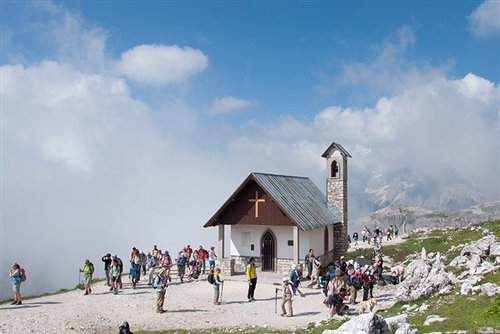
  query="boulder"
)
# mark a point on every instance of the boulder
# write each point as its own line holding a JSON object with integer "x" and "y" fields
{"x": 495, "y": 249}
{"x": 368, "y": 323}
{"x": 489, "y": 289}
{"x": 485, "y": 268}
{"x": 432, "y": 319}
{"x": 406, "y": 329}
{"x": 397, "y": 321}
{"x": 480, "y": 247}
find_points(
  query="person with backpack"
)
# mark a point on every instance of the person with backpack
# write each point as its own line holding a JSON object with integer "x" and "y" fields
{"x": 88, "y": 271}
{"x": 295, "y": 277}
{"x": 367, "y": 282}
{"x": 308, "y": 262}
{"x": 120, "y": 267}
{"x": 315, "y": 272}
{"x": 336, "y": 302}
{"x": 251, "y": 272}
{"x": 107, "y": 265}
{"x": 160, "y": 285}
{"x": 17, "y": 275}
{"x": 354, "y": 282}
{"x": 181, "y": 265}
{"x": 217, "y": 284}
{"x": 134, "y": 274}
{"x": 287, "y": 297}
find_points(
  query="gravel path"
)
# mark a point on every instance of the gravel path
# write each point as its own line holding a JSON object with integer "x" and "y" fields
{"x": 188, "y": 306}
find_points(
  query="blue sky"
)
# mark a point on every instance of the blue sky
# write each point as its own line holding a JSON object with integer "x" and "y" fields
{"x": 124, "y": 114}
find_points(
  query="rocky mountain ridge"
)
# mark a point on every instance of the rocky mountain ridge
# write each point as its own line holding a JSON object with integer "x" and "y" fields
{"x": 411, "y": 218}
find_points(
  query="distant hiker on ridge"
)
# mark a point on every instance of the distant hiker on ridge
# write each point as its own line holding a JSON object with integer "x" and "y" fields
{"x": 107, "y": 265}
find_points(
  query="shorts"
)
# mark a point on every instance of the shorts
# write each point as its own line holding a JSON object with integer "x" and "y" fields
{"x": 16, "y": 288}
{"x": 212, "y": 263}
{"x": 115, "y": 279}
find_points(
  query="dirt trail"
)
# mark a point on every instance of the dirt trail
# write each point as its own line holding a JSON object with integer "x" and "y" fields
{"x": 188, "y": 305}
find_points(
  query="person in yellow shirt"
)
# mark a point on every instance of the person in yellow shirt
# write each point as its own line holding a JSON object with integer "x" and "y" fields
{"x": 252, "y": 279}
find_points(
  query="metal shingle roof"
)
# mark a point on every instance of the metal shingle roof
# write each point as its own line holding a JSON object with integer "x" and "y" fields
{"x": 300, "y": 199}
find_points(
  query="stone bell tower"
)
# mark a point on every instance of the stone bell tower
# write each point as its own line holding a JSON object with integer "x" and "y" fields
{"x": 336, "y": 193}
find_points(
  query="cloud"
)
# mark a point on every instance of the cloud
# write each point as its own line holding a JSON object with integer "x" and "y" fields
{"x": 160, "y": 64}
{"x": 484, "y": 20}
{"x": 228, "y": 104}
{"x": 388, "y": 71}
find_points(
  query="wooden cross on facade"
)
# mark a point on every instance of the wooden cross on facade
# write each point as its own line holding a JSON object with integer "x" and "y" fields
{"x": 256, "y": 200}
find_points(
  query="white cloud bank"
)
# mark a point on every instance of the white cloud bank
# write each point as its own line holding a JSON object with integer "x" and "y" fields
{"x": 160, "y": 64}
{"x": 228, "y": 104}
{"x": 485, "y": 19}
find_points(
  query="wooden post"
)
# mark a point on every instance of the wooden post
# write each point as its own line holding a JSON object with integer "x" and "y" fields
{"x": 296, "y": 245}
{"x": 221, "y": 242}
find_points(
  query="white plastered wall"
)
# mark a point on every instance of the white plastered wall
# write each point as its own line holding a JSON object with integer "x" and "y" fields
{"x": 243, "y": 236}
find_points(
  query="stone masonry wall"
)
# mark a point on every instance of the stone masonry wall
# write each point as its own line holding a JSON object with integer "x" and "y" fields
{"x": 239, "y": 265}
{"x": 336, "y": 192}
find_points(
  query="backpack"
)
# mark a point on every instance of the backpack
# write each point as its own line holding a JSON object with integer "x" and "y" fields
{"x": 211, "y": 278}
{"x": 22, "y": 274}
{"x": 182, "y": 261}
{"x": 356, "y": 282}
{"x": 91, "y": 265}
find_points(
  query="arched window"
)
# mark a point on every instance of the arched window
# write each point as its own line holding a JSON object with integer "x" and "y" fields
{"x": 335, "y": 169}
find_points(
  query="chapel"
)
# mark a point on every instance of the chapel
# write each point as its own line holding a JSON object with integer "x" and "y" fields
{"x": 277, "y": 218}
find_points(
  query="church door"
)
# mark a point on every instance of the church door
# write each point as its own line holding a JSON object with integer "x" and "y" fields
{"x": 325, "y": 240}
{"x": 268, "y": 251}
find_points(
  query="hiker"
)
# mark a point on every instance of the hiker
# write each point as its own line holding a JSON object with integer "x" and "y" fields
{"x": 88, "y": 270}
{"x": 295, "y": 277}
{"x": 308, "y": 262}
{"x": 155, "y": 251}
{"x": 287, "y": 297}
{"x": 368, "y": 236}
{"x": 152, "y": 265}
{"x": 378, "y": 267}
{"x": 363, "y": 234}
{"x": 388, "y": 233}
{"x": 367, "y": 282}
{"x": 315, "y": 272}
{"x": 181, "y": 265}
{"x": 136, "y": 261}
{"x": 217, "y": 283}
{"x": 211, "y": 257}
{"x": 354, "y": 282}
{"x": 115, "y": 275}
{"x": 396, "y": 231}
{"x": 160, "y": 284}
{"x": 355, "y": 237}
{"x": 107, "y": 264}
{"x": 16, "y": 277}
{"x": 202, "y": 255}
{"x": 144, "y": 261}
{"x": 251, "y": 272}
{"x": 336, "y": 303}
{"x": 189, "y": 252}
{"x": 134, "y": 275}
{"x": 166, "y": 262}
{"x": 120, "y": 266}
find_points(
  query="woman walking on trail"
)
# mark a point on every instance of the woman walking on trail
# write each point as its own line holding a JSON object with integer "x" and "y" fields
{"x": 252, "y": 279}
{"x": 15, "y": 275}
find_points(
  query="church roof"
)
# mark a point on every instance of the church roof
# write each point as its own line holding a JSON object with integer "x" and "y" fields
{"x": 298, "y": 197}
{"x": 334, "y": 146}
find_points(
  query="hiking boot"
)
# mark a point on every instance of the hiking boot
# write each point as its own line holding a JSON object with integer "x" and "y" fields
{"x": 86, "y": 293}
{"x": 283, "y": 314}
{"x": 90, "y": 291}
{"x": 19, "y": 303}
{"x": 14, "y": 302}
{"x": 161, "y": 311}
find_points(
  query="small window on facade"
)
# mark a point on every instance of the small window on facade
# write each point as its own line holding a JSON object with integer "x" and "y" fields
{"x": 290, "y": 242}
{"x": 252, "y": 247}
{"x": 335, "y": 169}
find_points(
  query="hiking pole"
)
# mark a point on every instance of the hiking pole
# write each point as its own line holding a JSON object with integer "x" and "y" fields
{"x": 221, "y": 291}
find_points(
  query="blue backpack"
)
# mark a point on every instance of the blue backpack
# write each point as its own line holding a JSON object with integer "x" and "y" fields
{"x": 182, "y": 261}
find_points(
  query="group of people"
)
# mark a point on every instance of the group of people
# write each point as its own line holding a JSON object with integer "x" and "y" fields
{"x": 377, "y": 234}
{"x": 341, "y": 283}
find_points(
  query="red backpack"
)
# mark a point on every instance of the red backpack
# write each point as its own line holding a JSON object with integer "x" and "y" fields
{"x": 22, "y": 274}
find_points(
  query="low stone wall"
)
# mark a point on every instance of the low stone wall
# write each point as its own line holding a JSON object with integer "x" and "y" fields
{"x": 239, "y": 263}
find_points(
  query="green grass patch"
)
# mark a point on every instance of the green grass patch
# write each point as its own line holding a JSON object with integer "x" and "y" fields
{"x": 492, "y": 278}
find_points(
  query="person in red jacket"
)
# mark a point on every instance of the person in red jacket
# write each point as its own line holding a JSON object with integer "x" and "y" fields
{"x": 367, "y": 282}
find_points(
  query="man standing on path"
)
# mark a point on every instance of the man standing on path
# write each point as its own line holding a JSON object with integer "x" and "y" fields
{"x": 252, "y": 279}
{"x": 88, "y": 270}
{"x": 107, "y": 264}
{"x": 309, "y": 264}
{"x": 217, "y": 284}
{"x": 181, "y": 265}
{"x": 160, "y": 284}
